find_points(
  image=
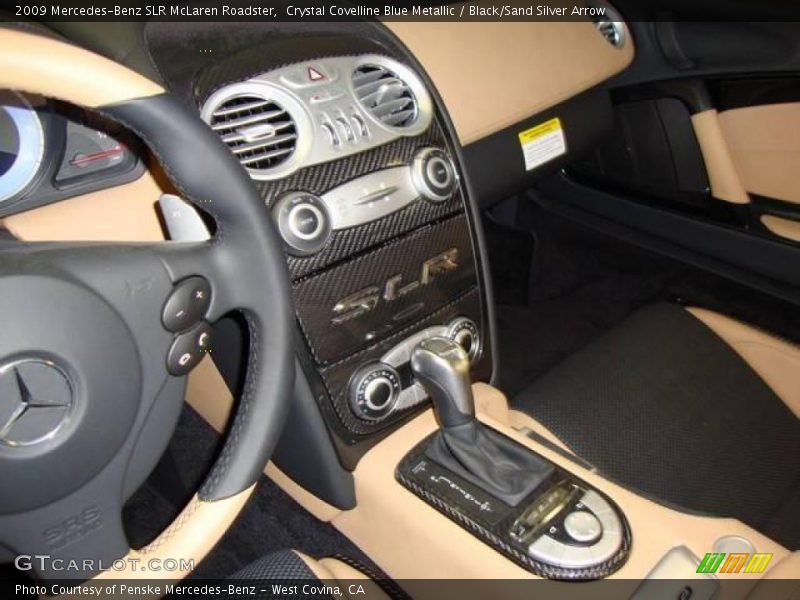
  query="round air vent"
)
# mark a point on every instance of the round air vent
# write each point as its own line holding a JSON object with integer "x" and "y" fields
{"x": 258, "y": 131}
{"x": 609, "y": 23}
{"x": 392, "y": 94}
{"x": 263, "y": 126}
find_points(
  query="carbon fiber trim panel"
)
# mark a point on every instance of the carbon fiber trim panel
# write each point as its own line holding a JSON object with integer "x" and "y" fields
{"x": 368, "y": 254}
{"x": 336, "y": 377}
{"x": 494, "y": 531}
{"x": 321, "y": 178}
{"x": 316, "y": 297}
{"x": 318, "y": 179}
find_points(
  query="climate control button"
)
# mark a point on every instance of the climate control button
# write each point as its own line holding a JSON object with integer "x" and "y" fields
{"x": 374, "y": 390}
{"x": 434, "y": 175}
{"x": 303, "y": 222}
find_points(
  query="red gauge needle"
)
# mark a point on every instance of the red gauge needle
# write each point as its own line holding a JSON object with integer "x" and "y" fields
{"x": 81, "y": 160}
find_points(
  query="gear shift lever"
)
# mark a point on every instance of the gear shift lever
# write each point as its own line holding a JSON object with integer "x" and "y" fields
{"x": 480, "y": 455}
{"x": 442, "y": 367}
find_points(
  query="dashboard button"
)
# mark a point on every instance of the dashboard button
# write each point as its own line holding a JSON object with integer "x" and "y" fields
{"x": 360, "y": 126}
{"x": 333, "y": 135}
{"x": 433, "y": 174}
{"x": 308, "y": 75}
{"x": 306, "y": 221}
{"x": 187, "y": 304}
{"x": 303, "y": 222}
{"x": 582, "y": 526}
{"x": 348, "y": 131}
{"x": 374, "y": 391}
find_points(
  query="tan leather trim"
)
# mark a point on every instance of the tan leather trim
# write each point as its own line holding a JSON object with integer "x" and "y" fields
{"x": 317, "y": 507}
{"x": 410, "y": 540}
{"x": 776, "y": 361}
{"x": 782, "y": 227}
{"x": 125, "y": 213}
{"x": 41, "y": 65}
{"x": 722, "y": 174}
{"x": 492, "y": 75}
{"x": 787, "y": 568}
{"x": 191, "y": 536}
{"x": 208, "y": 394}
{"x": 765, "y": 146}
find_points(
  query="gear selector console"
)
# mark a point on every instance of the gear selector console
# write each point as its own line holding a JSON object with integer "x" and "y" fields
{"x": 532, "y": 511}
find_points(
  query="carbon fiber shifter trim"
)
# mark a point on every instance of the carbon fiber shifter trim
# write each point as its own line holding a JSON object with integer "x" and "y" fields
{"x": 497, "y": 524}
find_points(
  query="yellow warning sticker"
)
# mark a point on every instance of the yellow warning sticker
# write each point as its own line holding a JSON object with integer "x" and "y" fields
{"x": 542, "y": 143}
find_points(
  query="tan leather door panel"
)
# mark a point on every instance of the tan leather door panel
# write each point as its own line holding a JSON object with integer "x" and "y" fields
{"x": 764, "y": 142}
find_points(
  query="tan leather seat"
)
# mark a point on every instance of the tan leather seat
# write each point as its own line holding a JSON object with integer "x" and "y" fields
{"x": 688, "y": 407}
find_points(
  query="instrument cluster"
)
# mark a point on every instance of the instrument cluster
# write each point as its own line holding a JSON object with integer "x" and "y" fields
{"x": 50, "y": 151}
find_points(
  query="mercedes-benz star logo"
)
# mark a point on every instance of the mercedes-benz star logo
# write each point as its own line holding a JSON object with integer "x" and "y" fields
{"x": 35, "y": 401}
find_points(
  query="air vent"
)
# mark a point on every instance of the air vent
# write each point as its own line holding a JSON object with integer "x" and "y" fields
{"x": 611, "y": 30}
{"x": 609, "y": 23}
{"x": 386, "y": 96}
{"x": 260, "y": 132}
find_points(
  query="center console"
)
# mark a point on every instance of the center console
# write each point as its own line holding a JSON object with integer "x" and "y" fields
{"x": 364, "y": 186}
{"x": 363, "y": 183}
{"x": 535, "y": 513}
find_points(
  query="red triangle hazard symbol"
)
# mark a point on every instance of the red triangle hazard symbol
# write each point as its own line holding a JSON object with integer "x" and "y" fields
{"x": 314, "y": 75}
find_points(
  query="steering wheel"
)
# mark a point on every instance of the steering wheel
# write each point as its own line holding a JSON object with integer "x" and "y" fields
{"x": 87, "y": 404}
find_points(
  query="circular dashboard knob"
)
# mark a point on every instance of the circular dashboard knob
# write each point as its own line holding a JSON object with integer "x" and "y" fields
{"x": 373, "y": 391}
{"x": 303, "y": 222}
{"x": 434, "y": 175}
{"x": 464, "y": 331}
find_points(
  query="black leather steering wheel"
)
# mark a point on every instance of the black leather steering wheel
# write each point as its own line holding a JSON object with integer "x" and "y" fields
{"x": 83, "y": 350}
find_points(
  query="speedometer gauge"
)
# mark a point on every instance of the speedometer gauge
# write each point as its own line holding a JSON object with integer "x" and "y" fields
{"x": 21, "y": 144}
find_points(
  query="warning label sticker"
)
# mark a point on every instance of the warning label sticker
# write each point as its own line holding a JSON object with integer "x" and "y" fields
{"x": 542, "y": 143}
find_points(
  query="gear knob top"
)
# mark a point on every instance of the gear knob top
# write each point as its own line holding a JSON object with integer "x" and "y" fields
{"x": 442, "y": 367}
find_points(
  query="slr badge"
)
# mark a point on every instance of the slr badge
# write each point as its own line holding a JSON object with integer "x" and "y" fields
{"x": 365, "y": 300}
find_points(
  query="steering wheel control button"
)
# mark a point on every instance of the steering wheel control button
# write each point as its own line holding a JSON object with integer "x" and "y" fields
{"x": 434, "y": 175}
{"x": 187, "y": 304}
{"x": 374, "y": 391}
{"x": 188, "y": 349}
{"x": 582, "y": 526}
{"x": 303, "y": 222}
